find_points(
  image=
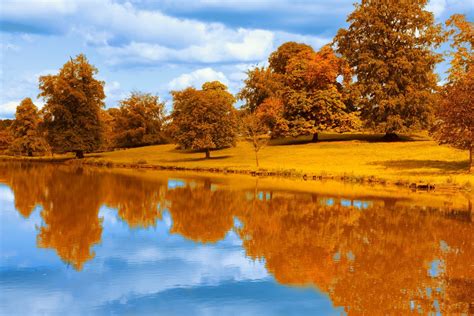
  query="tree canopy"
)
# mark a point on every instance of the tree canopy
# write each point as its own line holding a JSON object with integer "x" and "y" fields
{"x": 74, "y": 99}
{"x": 454, "y": 124}
{"x": 390, "y": 50}
{"x": 139, "y": 121}
{"x": 204, "y": 119}
{"x": 5, "y": 135}
{"x": 313, "y": 100}
{"x": 261, "y": 83}
{"x": 25, "y": 131}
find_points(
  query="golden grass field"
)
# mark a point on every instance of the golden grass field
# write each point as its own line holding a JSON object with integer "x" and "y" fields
{"x": 415, "y": 159}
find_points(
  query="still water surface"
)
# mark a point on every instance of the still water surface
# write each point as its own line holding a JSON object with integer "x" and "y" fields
{"x": 96, "y": 241}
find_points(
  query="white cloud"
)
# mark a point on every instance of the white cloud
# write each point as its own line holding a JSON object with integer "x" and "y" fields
{"x": 6, "y": 195}
{"x": 113, "y": 92}
{"x": 125, "y": 33}
{"x": 36, "y": 8}
{"x": 437, "y": 7}
{"x": 8, "y": 109}
{"x": 315, "y": 41}
{"x": 197, "y": 78}
{"x": 240, "y": 45}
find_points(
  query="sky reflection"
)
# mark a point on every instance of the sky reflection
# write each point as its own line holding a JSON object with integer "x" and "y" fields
{"x": 95, "y": 241}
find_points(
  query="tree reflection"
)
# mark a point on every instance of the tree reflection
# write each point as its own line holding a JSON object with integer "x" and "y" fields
{"x": 71, "y": 216}
{"x": 374, "y": 256}
{"x": 27, "y": 183}
{"x": 371, "y": 260}
{"x": 202, "y": 214}
{"x": 139, "y": 202}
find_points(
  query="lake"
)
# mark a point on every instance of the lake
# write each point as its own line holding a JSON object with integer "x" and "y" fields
{"x": 77, "y": 240}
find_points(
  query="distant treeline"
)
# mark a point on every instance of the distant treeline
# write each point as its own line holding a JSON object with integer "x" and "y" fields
{"x": 378, "y": 74}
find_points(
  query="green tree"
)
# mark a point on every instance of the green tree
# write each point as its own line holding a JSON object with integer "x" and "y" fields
{"x": 390, "y": 50}
{"x": 74, "y": 99}
{"x": 139, "y": 121}
{"x": 27, "y": 137}
{"x": 204, "y": 119}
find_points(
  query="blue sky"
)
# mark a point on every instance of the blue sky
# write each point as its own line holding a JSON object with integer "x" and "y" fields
{"x": 160, "y": 45}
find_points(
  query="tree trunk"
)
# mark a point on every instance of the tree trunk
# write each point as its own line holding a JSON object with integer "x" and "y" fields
{"x": 256, "y": 158}
{"x": 208, "y": 153}
{"x": 390, "y": 137}
{"x": 79, "y": 154}
{"x": 315, "y": 138}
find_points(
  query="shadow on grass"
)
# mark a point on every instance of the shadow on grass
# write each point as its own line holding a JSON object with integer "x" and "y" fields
{"x": 94, "y": 155}
{"x": 326, "y": 138}
{"x": 200, "y": 159}
{"x": 444, "y": 166}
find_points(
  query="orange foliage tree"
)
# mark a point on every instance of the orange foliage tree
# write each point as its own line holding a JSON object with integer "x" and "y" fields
{"x": 74, "y": 99}
{"x": 390, "y": 49}
{"x": 204, "y": 119}
{"x": 313, "y": 99}
{"x": 25, "y": 130}
{"x": 139, "y": 121}
{"x": 454, "y": 122}
{"x": 261, "y": 84}
{"x": 5, "y": 135}
{"x": 300, "y": 92}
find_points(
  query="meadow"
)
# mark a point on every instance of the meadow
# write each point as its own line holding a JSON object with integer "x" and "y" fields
{"x": 414, "y": 159}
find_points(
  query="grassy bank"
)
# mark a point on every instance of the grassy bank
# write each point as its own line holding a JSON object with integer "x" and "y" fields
{"x": 415, "y": 159}
{"x": 354, "y": 157}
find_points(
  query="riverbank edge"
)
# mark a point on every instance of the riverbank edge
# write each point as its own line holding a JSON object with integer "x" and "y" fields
{"x": 284, "y": 173}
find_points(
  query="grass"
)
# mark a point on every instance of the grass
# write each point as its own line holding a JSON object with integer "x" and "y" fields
{"x": 414, "y": 159}
{"x": 359, "y": 157}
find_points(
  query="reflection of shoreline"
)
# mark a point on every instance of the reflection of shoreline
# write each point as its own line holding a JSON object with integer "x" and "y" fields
{"x": 437, "y": 198}
{"x": 369, "y": 180}
{"x": 354, "y": 249}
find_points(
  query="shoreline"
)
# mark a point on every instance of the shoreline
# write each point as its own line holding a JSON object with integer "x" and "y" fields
{"x": 261, "y": 172}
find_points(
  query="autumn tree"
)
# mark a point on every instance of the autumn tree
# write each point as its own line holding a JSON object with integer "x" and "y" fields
{"x": 25, "y": 131}
{"x": 74, "y": 99}
{"x": 313, "y": 99}
{"x": 255, "y": 130}
{"x": 390, "y": 50}
{"x": 5, "y": 136}
{"x": 270, "y": 114}
{"x": 204, "y": 119}
{"x": 139, "y": 121}
{"x": 266, "y": 85}
{"x": 279, "y": 59}
{"x": 107, "y": 121}
{"x": 261, "y": 83}
{"x": 454, "y": 122}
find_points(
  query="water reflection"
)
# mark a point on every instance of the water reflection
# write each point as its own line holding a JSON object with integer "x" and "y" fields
{"x": 371, "y": 255}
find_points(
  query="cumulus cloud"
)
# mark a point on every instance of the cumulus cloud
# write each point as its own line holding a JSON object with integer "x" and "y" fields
{"x": 8, "y": 109}
{"x": 437, "y": 7}
{"x": 126, "y": 33}
{"x": 114, "y": 92}
{"x": 197, "y": 78}
{"x": 35, "y": 8}
{"x": 243, "y": 45}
